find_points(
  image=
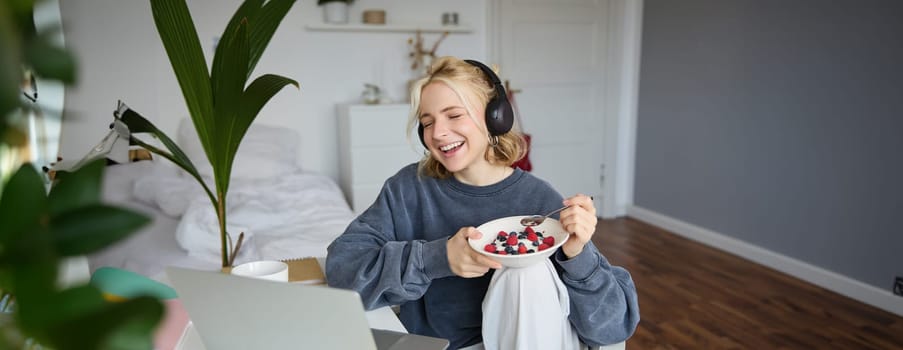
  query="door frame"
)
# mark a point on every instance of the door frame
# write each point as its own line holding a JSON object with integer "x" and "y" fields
{"x": 621, "y": 89}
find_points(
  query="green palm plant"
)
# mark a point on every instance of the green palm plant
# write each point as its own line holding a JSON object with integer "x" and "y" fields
{"x": 221, "y": 103}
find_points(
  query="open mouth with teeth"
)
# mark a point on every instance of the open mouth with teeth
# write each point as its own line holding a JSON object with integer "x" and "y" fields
{"x": 451, "y": 147}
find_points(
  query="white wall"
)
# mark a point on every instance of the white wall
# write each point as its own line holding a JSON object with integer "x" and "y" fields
{"x": 121, "y": 57}
{"x": 44, "y": 131}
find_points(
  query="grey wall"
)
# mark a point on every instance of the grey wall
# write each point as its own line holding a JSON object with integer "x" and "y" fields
{"x": 778, "y": 123}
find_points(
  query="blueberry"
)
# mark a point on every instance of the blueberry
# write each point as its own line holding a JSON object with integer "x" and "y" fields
{"x": 530, "y": 250}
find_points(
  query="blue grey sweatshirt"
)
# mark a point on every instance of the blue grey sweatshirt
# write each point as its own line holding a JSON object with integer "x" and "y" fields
{"x": 395, "y": 253}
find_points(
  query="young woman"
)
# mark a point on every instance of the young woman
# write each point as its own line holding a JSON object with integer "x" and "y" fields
{"x": 410, "y": 247}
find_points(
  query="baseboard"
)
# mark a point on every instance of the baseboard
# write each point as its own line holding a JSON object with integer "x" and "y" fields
{"x": 832, "y": 281}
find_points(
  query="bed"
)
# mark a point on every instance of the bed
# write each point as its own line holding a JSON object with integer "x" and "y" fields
{"x": 284, "y": 212}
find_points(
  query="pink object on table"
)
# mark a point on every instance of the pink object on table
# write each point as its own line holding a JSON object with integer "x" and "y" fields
{"x": 175, "y": 319}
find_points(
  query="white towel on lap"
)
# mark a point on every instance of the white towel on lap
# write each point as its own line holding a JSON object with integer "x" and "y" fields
{"x": 527, "y": 308}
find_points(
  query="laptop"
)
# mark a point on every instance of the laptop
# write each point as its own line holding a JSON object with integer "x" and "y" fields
{"x": 231, "y": 312}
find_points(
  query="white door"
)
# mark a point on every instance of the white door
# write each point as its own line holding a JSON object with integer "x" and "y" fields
{"x": 553, "y": 51}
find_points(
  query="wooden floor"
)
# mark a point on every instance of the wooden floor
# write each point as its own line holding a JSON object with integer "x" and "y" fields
{"x": 696, "y": 297}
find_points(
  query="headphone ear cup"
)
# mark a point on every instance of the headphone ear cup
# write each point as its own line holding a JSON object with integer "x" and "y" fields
{"x": 499, "y": 116}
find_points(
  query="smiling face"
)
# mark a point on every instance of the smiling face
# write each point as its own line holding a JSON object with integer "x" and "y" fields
{"x": 453, "y": 136}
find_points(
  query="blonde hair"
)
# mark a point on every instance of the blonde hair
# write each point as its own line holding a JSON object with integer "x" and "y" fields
{"x": 459, "y": 75}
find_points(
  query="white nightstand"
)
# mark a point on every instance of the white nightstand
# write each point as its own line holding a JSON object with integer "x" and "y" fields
{"x": 373, "y": 146}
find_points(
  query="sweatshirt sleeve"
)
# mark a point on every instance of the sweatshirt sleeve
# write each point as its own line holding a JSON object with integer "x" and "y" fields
{"x": 369, "y": 259}
{"x": 604, "y": 308}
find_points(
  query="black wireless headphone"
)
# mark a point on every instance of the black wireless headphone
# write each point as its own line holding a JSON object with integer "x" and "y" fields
{"x": 499, "y": 114}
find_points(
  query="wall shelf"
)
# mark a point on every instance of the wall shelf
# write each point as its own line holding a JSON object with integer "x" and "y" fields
{"x": 408, "y": 28}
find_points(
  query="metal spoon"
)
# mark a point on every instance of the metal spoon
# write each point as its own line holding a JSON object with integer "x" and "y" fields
{"x": 538, "y": 219}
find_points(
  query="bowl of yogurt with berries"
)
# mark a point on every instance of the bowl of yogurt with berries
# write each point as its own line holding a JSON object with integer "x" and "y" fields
{"x": 514, "y": 245}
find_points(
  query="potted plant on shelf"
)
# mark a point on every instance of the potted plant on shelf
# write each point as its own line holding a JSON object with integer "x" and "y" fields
{"x": 39, "y": 228}
{"x": 335, "y": 11}
{"x": 221, "y": 103}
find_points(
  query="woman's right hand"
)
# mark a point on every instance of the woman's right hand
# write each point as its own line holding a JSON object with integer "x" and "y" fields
{"x": 463, "y": 260}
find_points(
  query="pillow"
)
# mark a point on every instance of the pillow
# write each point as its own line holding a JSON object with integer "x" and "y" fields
{"x": 118, "y": 179}
{"x": 265, "y": 151}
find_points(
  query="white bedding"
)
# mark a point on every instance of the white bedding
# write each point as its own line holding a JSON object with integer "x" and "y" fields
{"x": 293, "y": 215}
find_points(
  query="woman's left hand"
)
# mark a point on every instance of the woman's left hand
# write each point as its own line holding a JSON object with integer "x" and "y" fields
{"x": 580, "y": 221}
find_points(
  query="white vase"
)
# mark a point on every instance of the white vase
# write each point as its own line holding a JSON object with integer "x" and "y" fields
{"x": 335, "y": 12}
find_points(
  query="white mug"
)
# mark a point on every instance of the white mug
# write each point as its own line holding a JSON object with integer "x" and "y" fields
{"x": 264, "y": 269}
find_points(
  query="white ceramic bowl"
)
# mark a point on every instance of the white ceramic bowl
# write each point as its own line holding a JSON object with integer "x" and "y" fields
{"x": 263, "y": 269}
{"x": 490, "y": 230}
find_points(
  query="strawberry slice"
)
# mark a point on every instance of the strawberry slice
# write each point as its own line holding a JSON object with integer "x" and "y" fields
{"x": 490, "y": 248}
{"x": 543, "y": 247}
{"x": 521, "y": 249}
{"x": 512, "y": 240}
{"x": 532, "y": 236}
{"x": 550, "y": 241}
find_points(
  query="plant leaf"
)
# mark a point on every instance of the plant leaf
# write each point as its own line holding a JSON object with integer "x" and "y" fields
{"x": 263, "y": 21}
{"x": 49, "y": 60}
{"x": 38, "y": 313}
{"x": 246, "y": 12}
{"x": 80, "y": 318}
{"x": 10, "y": 67}
{"x": 27, "y": 261}
{"x": 253, "y": 99}
{"x": 121, "y": 325}
{"x": 260, "y": 92}
{"x": 264, "y": 26}
{"x": 229, "y": 77}
{"x": 32, "y": 264}
{"x": 138, "y": 124}
{"x": 76, "y": 189}
{"x": 230, "y": 82}
{"x": 87, "y": 229}
{"x": 139, "y": 318}
{"x": 22, "y": 205}
{"x": 179, "y": 37}
{"x": 22, "y": 13}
